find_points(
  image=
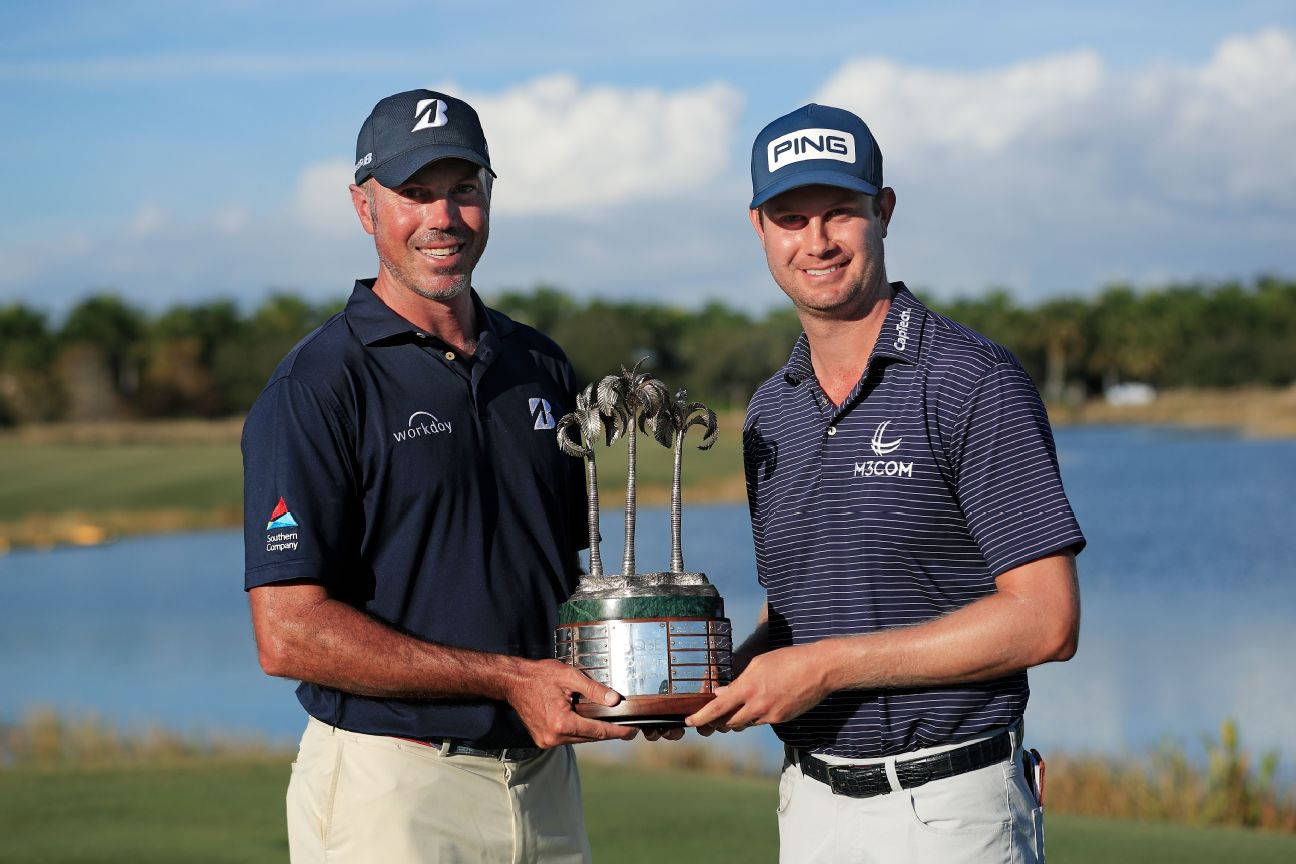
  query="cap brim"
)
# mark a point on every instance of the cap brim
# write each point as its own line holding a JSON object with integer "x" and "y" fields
{"x": 813, "y": 177}
{"x": 400, "y": 168}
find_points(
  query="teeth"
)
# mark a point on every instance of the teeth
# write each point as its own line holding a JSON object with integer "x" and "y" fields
{"x": 825, "y": 271}
{"x": 442, "y": 253}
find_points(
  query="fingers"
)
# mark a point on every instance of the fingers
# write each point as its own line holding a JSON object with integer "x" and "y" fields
{"x": 593, "y": 690}
{"x": 726, "y": 701}
{"x": 669, "y": 733}
{"x": 582, "y": 730}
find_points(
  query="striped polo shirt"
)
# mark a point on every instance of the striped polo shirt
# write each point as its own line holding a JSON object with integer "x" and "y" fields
{"x": 937, "y": 474}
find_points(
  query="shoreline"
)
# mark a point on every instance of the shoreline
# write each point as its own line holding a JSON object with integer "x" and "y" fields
{"x": 1251, "y": 413}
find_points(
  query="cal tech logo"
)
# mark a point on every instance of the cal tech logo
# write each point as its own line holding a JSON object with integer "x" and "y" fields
{"x": 422, "y": 424}
{"x": 429, "y": 113}
{"x": 883, "y": 447}
{"x": 810, "y": 144}
{"x": 542, "y": 413}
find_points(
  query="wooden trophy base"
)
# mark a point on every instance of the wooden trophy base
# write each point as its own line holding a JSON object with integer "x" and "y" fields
{"x": 659, "y": 712}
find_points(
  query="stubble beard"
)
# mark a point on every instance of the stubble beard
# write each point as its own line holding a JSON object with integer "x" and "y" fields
{"x": 871, "y": 287}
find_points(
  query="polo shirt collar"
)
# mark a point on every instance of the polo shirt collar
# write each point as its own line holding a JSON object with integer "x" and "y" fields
{"x": 899, "y": 339}
{"x": 374, "y": 321}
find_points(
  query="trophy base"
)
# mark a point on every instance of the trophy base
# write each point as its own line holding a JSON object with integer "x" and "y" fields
{"x": 659, "y": 712}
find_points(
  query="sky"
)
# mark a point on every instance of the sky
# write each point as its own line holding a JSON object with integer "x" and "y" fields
{"x": 178, "y": 152}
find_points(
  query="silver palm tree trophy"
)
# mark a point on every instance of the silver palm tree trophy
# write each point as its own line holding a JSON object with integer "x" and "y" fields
{"x": 660, "y": 639}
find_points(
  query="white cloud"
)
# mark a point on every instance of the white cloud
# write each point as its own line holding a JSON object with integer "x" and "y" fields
{"x": 560, "y": 146}
{"x": 322, "y": 201}
{"x": 149, "y": 218}
{"x": 1008, "y": 173}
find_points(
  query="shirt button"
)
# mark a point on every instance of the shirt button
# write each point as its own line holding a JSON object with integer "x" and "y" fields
{"x": 420, "y": 335}
{"x": 449, "y": 355}
{"x": 832, "y": 430}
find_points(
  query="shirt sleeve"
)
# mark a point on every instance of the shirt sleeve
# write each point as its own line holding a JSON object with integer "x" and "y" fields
{"x": 755, "y": 460}
{"x": 301, "y": 518}
{"x": 1006, "y": 473}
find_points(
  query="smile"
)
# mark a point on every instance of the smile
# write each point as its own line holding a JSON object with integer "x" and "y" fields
{"x": 444, "y": 252}
{"x": 825, "y": 271}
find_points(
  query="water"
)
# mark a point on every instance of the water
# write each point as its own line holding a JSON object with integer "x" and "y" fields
{"x": 1187, "y": 584}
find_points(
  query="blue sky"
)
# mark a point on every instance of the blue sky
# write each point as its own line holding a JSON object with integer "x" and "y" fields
{"x": 177, "y": 151}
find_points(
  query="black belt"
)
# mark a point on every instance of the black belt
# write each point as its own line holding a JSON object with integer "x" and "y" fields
{"x": 865, "y": 781}
{"x": 453, "y": 747}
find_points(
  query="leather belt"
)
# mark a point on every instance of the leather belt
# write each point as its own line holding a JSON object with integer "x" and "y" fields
{"x": 453, "y": 747}
{"x": 865, "y": 781}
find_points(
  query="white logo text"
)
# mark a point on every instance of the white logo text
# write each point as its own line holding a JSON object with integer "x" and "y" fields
{"x": 810, "y": 144}
{"x": 902, "y": 331}
{"x": 421, "y": 428}
{"x": 281, "y": 541}
{"x": 430, "y": 113}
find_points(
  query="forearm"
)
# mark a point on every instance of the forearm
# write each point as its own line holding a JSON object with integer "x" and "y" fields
{"x": 312, "y": 637}
{"x": 990, "y": 638}
{"x": 756, "y": 643}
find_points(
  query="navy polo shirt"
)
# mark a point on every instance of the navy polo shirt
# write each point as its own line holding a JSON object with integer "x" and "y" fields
{"x": 935, "y": 475}
{"x": 427, "y": 492}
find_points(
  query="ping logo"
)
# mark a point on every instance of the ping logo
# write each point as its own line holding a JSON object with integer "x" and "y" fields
{"x": 429, "y": 113}
{"x": 810, "y": 144}
{"x": 542, "y": 413}
{"x": 880, "y": 447}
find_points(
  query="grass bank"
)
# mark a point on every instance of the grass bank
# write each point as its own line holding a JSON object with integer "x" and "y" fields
{"x": 87, "y": 483}
{"x": 231, "y": 809}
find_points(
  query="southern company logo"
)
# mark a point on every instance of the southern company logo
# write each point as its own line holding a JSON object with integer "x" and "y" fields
{"x": 882, "y": 447}
{"x": 281, "y": 518}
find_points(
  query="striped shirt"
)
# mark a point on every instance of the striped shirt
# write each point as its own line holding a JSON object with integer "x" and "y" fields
{"x": 936, "y": 474}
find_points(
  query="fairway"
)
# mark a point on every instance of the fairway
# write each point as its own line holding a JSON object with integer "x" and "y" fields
{"x": 232, "y": 811}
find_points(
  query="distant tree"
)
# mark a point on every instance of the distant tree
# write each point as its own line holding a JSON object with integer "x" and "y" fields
{"x": 29, "y": 389}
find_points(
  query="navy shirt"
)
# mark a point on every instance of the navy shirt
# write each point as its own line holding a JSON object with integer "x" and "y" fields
{"x": 934, "y": 476}
{"x": 427, "y": 492}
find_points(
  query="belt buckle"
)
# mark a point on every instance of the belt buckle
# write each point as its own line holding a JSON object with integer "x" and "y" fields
{"x": 834, "y": 772}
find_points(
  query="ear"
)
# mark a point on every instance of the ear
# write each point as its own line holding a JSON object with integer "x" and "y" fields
{"x": 886, "y": 206}
{"x": 361, "y": 203}
{"x": 757, "y": 223}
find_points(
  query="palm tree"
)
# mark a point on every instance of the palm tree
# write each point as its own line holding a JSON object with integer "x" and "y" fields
{"x": 593, "y": 425}
{"x": 635, "y": 395}
{"x": 669, "y": 427}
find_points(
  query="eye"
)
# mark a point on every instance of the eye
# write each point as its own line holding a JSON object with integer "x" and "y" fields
{"x": 790, "y": 221}
{"x": 414, "y": 193}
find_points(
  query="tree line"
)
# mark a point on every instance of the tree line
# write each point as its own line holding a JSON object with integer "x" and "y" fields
{"x": 108, "y": 358}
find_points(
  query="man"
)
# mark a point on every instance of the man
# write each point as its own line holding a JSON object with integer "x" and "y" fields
{"x": 911, "y": 532}
{"x": 411, "y": 528}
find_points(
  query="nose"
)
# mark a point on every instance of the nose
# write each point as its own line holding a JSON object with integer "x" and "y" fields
{"x": 441, "y": 213}
{"x": 817, "y": 241}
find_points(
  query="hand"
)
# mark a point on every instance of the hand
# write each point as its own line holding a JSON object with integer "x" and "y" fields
{"x": 542, "y": 696}
{"x": 670, "y": 733}
{"x": 775, "y": 686}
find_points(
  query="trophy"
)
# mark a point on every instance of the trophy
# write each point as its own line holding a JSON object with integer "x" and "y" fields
{"x": 659, "y": 639}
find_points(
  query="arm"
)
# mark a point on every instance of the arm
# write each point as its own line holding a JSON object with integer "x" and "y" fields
{"x": 304, "y": 634}
{"x": 1033, "y": 617}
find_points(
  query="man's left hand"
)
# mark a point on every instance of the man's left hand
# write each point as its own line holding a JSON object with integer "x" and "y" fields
{"x": 775, "y": 687}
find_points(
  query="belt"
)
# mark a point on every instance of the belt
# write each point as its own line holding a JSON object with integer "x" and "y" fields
{"x": 865, "y": 781}
{"x": 453, "y": 747}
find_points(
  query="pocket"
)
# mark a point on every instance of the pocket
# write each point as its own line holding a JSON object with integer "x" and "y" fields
{"x": 967, "y": 803}
{"x": 787, "y": 783}
{"x": 1037, "y": 823}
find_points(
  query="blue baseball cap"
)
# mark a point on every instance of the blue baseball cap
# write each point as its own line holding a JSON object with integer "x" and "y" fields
{"x": 408, "y": 130}
{"x": 815, "y": 145}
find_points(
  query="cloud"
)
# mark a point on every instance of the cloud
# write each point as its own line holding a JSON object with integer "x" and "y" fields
{"x": 1123, "y": 172}
{"x": 559, "y": 146}
{"x": 321, "y": 200}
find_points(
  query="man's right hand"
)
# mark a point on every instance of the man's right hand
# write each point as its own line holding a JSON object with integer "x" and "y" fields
{"x": 542, "y": 695}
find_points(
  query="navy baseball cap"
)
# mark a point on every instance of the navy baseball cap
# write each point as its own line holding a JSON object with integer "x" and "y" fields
{"x": 815, "y": 145}
{"x": 406, "y": 131}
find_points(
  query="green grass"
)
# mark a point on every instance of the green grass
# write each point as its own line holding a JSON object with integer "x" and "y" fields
{"x": 232, "y": 810}
{"x": 53, "y": 477}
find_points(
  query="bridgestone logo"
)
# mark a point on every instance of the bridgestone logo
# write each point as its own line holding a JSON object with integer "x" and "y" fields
{"x": 883, "y": 468}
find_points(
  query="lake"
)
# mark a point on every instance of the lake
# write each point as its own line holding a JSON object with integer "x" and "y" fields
{"x": 1187, "y": 584}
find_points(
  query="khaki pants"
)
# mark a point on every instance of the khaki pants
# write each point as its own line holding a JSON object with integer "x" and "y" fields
{"x": 987, "y": 816}
{"x": 369, "y": 798}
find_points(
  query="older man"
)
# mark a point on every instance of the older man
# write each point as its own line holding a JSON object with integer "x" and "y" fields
{"x": 911, "y": 532}
{"x": 411, "y": 528}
